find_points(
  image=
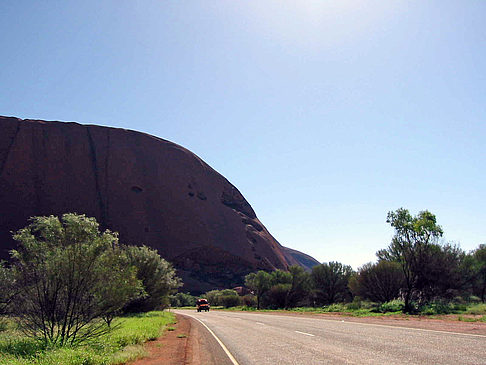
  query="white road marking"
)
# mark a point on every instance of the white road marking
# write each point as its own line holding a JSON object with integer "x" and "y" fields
{"x": 386, "y": 325}
{"x": 303, "y": 333}
{"x": 260, "y": 323}
{"x": 231, "y": 357}
{"x": 410, "y": 328}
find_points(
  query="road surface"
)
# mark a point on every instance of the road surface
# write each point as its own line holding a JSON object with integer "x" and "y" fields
{"x": 255, "y": 338}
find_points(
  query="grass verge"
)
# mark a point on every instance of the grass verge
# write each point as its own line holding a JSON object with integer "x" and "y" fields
{"x": 125, "y": 343}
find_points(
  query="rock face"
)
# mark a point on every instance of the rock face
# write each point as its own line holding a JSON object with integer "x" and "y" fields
{"x": 304, "y": 260}
{"x": 151, "y": 191}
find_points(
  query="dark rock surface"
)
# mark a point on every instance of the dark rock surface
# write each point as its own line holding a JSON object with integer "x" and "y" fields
{"x": 151, "y": 191}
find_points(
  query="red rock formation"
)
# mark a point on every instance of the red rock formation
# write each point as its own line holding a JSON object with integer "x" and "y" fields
{"x": 151, "y": 191}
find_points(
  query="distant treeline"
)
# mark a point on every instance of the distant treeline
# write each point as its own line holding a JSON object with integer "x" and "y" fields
{"x": 415, "y": 272}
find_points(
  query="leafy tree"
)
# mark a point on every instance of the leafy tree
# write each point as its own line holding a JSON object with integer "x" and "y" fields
{"x": 229, "y": 298}
{"x": 440, "y": 275}
{"x": 226, "y": 297}
{"x": 379, "y": 282}
{"x": 330, "y": 282}
{"x": 280, "y": 277}
{"x": 479, "y": 270}
{"x": 260, "y": 283}
{"x": 213, "y": 297}
{"x": 411, "y": 247}
{"x": 157, "y": 276}
{"x": 182, "y": 300}
{"x": 68, "y": 276}
{"x": 276, "y": 296}
{"x": 299, "y": 286}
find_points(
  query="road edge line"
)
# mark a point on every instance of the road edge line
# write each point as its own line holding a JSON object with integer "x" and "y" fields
{"x": 372, "y": 324}
{"x": 225, "y": 349}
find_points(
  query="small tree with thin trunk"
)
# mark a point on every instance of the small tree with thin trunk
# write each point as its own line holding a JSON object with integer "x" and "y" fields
{"x": 414, "y": 239}
{"x": 68, "y": 276}
{"x": 330, "y": 282}
{"x": 259, "y": 283}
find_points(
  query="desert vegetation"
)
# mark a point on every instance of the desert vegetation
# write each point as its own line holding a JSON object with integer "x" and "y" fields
{"x": 70, "y": 292}
{"x": 418, "y": 273}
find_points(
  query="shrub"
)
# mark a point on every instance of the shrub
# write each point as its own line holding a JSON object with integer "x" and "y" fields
{"x": 355, "y": 304}
{"x": 249, "y": 300}
{"x": 229, "y": 300}
{"x": 330, "y": 282}
{"x": 213, "y": 297}
{"x": 157, "y": 276}
{"x": 437, "y": 307}
{"x": 379, "y": 282}
{"x": 336, "y": 307}
{"x": 182, "y": 300}
{"x": 477, "y": 309}
{"x": 391, "y": 306}
{"x": 61, "y": 269}
{"x": 276, "y": 296}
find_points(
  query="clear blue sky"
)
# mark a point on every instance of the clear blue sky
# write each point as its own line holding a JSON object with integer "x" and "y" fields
{"x": 325, "y": 114}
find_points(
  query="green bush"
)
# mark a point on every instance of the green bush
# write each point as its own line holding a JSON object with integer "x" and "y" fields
{"x": 438, "y": 307}
{"x": 477, "y": 309}
{"x": 336, "y": 307}
{"x": 229, "y": 300}
{"x": 391, "y": 306}
{"x": 474, "y": 299}
{"x": 182, "y": 300}
{"x": 3, "y": 324}
{"x": 355, "y": 304}
{"x": 226, "y": 297}
{"x": 249, "y": 300}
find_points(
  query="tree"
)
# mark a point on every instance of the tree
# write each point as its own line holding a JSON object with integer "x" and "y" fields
{"x": 411, "y": 247}
{"x": 330, "y": 282}
{"x": 213, "y": 297}
{"x": 68, "y": 276}
{"x": 299, "y": 286}
{"x": 379, "y": 282}
{"x": 182, "y": 300}
{"x": 229, "y": 298}
{"x": 157, "y": 276}
{"x": 259, "y": 282}
{"x": 479, "y": 270}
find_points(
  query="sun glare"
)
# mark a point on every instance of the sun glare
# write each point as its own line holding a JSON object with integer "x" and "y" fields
{"x": 314, "y": 22}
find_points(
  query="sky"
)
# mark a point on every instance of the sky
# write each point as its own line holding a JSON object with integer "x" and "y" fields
{"x": 325, "y": 114}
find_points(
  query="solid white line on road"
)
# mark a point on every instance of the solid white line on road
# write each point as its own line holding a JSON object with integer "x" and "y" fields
{"x": 225, "y": 349}
{"x": 409, "y": 328}
{"x": 385, "y": 326}
{"x": 260, "y": 323}
{"x": 303, "y": 333}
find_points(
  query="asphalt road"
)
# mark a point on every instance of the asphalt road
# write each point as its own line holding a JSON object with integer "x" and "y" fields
{"x": 254, "y": 338}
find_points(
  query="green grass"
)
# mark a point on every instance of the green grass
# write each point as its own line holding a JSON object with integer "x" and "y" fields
{"x": 123, "y": 344}
{"x": 333, "y": 308}
{"x": 477, "y": 309}
{"x": 472, "y": 319}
